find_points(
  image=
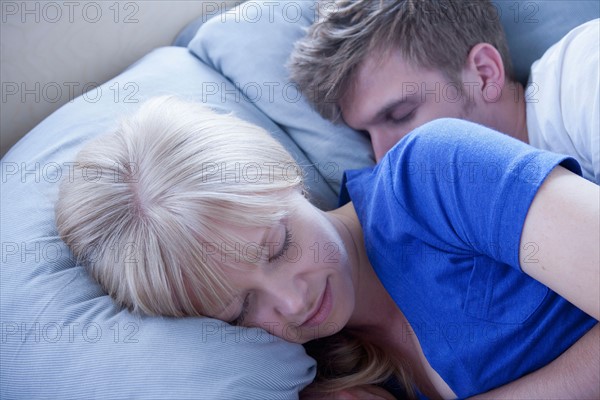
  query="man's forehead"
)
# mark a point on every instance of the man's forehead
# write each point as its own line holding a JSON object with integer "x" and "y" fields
{"x": 385, "y": 79}
{"x": 350, "y": 102}
{"x": 361, "y": 101}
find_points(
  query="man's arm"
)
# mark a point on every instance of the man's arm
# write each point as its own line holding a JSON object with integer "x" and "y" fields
{"x": 560, "y": 239}
{"x": 573, "y": 375}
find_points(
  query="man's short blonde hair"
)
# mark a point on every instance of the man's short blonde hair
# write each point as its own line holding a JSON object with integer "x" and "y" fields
{"x": 432, "y": 34}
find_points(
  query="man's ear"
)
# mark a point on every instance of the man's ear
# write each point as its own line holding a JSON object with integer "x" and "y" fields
{"x": 484, "y": 63}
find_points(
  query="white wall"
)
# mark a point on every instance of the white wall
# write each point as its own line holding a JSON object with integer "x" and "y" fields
{"x": 52, "y": 50}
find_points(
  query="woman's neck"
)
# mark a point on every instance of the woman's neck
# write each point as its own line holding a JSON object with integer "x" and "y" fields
{"x": 370, "y": 294}
{"x": 376, "y": 317}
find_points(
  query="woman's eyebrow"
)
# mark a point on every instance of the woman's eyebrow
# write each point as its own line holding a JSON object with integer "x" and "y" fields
{"x": 263, "y": 240}
{"x": 229, "y": 312}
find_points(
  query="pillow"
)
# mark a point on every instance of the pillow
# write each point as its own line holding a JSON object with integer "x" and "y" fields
{"x": 531, "y": 27}
{"x": 62, "y": 336}
{"x": 250, "y": 45}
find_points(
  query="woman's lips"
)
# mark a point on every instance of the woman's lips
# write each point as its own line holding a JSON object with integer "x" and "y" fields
{"x": 323, "y": 310}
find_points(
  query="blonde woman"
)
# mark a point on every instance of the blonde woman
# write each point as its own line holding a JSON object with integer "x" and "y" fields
{"x": 416, "y": 285}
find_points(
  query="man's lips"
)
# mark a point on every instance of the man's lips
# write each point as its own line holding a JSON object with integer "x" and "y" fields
{"x": 323, "y": 309}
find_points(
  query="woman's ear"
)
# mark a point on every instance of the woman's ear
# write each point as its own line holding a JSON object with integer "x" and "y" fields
{"x": 484, "y": 63}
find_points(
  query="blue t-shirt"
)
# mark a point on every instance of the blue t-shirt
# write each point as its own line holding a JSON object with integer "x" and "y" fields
{"x": 442, "y": 216}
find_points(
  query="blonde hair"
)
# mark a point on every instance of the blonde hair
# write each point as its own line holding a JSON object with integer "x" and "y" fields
{"x": 433, "y": 34}
{"x": 347, "y": 360}
{"x": 144, "y": 206}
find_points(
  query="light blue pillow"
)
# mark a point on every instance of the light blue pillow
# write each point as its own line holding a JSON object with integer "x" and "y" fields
{"x": 61, "y": 335}
{"x": 265, "y": 33}
{"x": 250, "y": 45}
{"x": 531, "y": 27}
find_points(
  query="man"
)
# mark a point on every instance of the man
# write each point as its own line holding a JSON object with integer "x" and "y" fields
{"x": 387, "y": 67}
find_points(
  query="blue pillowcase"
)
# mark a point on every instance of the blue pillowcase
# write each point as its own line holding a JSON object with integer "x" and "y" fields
{"x": 62, "y": 336}
{"x": 250, "y": 45}
{"x": 531, "y": 27}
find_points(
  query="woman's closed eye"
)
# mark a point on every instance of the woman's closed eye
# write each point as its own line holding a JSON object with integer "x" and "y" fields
{"x": 284, "y": 247}
{"x": 239, "y": 320}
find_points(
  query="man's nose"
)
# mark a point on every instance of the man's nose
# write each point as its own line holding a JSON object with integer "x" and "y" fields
{"x": 381, "y": 142}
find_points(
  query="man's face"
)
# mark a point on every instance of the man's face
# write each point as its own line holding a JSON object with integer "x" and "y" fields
{"x": 391, "y": 97}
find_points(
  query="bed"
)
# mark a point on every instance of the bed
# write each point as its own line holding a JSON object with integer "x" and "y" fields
{"x": 62, "y": 336}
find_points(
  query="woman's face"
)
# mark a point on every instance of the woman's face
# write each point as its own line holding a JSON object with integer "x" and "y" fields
{"x": 303, "y": 289}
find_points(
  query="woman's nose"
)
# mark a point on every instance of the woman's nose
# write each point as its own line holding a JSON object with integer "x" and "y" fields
{"x": 290, "y": 298}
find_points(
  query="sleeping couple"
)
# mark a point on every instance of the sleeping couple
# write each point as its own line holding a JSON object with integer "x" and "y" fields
{"x": 465, "y": 263}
